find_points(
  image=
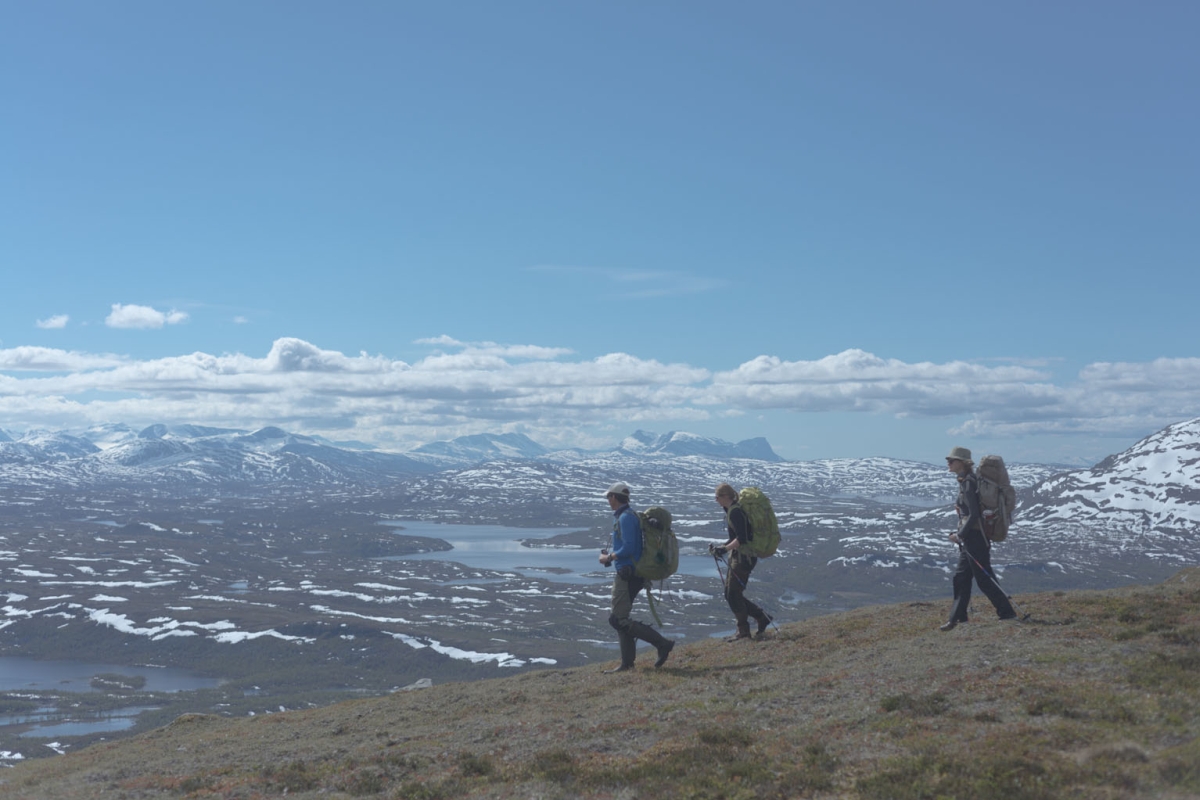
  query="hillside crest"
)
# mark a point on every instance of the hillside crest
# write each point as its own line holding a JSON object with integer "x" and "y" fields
{"x": 1096, "y": 695}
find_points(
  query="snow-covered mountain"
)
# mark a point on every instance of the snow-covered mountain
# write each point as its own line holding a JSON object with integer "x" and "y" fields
{"x": 191, "y": 454}
{"x": 480, "y": 447}
{"x": 42, "y": 445}
{"x": 1152, "y": 486}
{"x": 471, "y": 450}
{"x": 680, "y": 443}
{"x": 469, "y": 471}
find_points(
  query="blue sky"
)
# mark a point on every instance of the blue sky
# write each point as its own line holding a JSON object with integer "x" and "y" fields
{"x": 854, "y": 228}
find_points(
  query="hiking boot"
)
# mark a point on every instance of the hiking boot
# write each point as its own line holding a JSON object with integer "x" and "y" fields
{"x": 949, "y": 625}
{"x": 763, "y": 622}
{"x": 628, "y": 652}
{"x": 737, "y": 636}
{"x": 664, "y": 650}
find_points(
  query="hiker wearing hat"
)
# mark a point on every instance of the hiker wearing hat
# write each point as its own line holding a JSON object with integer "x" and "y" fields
{"x": 737, "y": 524}
{"x": 974, "y": 549}
{"x": 626, "y": 550}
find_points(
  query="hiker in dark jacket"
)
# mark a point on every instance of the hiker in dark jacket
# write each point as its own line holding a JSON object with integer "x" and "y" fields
{"x": 974, "y": 549}
{"x": 626, "y": 550}
{"x": 740, "y": 565}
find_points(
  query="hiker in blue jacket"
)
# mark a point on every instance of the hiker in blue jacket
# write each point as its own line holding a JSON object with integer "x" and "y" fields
{"x": 625, "y": 552}
{"x": 974, "y": 549}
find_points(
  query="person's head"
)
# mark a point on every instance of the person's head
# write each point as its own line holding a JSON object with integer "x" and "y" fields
{"x": 617, "y": 495}
{"x": 959, "y": 461}
{"x": 726, "y": 495}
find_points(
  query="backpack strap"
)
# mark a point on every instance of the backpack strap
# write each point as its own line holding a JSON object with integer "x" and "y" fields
{"x": 650, "y": 601}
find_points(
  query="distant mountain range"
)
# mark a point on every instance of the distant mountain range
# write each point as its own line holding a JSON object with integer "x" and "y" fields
{"x": 191, "y": 454}
{"x": 481, "y": 447}
{"x": 679, "y": 443}
{"x": 1152, "y": 486}
{"x": 195, "y": 453}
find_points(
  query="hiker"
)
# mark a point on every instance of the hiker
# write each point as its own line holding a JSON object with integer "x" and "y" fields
{"x": 740, "y": 565}
{"x": 974, "y": 549}
{"x": 626, "y": 549}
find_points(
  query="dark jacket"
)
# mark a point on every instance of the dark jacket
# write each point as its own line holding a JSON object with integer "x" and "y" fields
{"x": 967, "y": 504}
{"x": 738, "y": 524}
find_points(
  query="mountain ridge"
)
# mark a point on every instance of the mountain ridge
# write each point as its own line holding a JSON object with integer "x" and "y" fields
{"x": 1151, "y": 487}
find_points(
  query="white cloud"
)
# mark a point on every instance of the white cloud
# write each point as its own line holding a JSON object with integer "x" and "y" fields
{"x": 522, "y": 351}
{"x": 134, "y": 316}
{"x": 465, "y": 387}
{"x": 54, "y": 322}
{"x": 854, "y": 380}
{"x": 46, "y": 359}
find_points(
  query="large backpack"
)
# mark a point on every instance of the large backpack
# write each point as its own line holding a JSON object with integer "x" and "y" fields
{"x": 660, "y": 548}
{"x": 997, "y": 497}
{"x": 764, "y": 527}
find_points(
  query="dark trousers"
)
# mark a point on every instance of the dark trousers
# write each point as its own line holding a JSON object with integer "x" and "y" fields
{"x": 740, "y": 568}
{"x": 975, "y": 564}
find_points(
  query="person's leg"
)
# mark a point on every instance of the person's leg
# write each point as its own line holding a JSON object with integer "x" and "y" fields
{"x": 735, "y": 587}
{"x": 622, "y": 605}
{"x": 662, "y": 644}
{"x": 982, "y": 571}
{"x": 962, "y": 591}
{"x": 753, "y": 611}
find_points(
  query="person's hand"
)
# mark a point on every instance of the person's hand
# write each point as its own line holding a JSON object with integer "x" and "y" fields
{"x": 605, "y": 558}
{"x": 954, "y": 538}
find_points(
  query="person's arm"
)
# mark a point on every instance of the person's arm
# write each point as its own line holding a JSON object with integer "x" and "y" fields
{"x": 631, "y": 534}
{"x": 974, "y": 518}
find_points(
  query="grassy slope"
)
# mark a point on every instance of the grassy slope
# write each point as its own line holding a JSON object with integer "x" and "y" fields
{"x": 1098, "y": 696}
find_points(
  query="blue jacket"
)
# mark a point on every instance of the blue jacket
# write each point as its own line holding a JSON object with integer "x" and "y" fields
{"x": 626, "y": 537}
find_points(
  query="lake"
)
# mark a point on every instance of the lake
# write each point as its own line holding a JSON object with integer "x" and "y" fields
{"x": 499, "y": 548}
{"x": 19, "y": 674}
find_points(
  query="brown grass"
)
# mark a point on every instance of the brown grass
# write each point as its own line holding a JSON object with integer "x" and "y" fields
{"x": 1097, "y": 696}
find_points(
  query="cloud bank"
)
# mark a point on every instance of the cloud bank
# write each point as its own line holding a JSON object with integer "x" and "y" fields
{"x": 468, "y": 387}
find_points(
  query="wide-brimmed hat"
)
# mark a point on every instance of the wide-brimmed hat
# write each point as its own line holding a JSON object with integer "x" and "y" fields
{"x": 618, "y": 488}
{"x": 959, "y": 454}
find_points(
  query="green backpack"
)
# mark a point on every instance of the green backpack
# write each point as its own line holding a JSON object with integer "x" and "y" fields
{"x": 660, "y": 548}
{"x": 763, "y": 525}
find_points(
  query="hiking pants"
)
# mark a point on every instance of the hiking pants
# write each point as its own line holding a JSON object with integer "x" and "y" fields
{"x": 624, "y": 592}
{"x": 740, "y": 568}
{"x": 974, "y": 543}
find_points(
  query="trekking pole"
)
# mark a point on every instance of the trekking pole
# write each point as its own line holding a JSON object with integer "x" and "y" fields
{"x": 963, "y": 546}
{"x": 719, "y": 561}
